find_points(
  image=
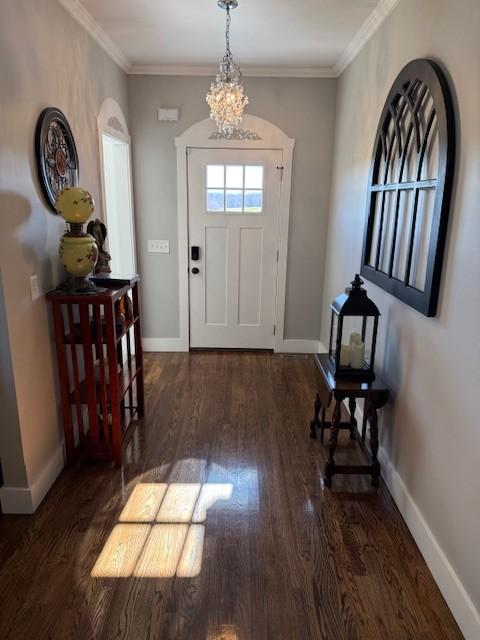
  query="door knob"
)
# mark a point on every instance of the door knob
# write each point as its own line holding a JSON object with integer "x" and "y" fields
{"x": 195, "y": 270}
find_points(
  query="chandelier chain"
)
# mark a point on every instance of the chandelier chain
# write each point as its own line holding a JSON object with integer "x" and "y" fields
{"x": 228, "y": 53}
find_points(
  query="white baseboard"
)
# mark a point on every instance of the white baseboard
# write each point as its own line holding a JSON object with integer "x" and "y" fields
{"x": 164, "y": 344}
{"x": 26, "y": 500}
{"x": 281, "y": 346}
{"x": 16, "y": 500}
{"x": 457, "y": 598}
{"x": 297, "y": 346}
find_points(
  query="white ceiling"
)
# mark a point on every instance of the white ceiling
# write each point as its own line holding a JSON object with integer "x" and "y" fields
{"x": 314, "y": 36}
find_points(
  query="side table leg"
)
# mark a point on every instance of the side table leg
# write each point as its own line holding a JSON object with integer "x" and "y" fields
{"x": 332, "y": 445}
{"x": 315, "y": 422}
{"x": 322, "y": 425}
{"x": 352, "y": 405}
{"x": 374, "y": 446}
{"x": 365, "y": 417}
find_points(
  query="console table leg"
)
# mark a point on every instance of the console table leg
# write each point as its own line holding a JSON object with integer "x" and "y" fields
{"x": 332, "y": 445}
{"x": 374, "y": 446}
{"x": 352, "y": 405}
{"x": 315, "y": 423}
{"x": 365, "y": 417}
{"x": 322, "y": 425}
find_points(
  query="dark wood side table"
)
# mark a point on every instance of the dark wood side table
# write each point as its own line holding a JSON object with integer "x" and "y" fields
{"x": 375, "y": 394}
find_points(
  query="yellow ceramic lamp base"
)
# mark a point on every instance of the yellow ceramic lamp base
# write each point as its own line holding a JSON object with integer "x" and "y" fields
{"x": 78, "y": 255}
{"x": 78, "y": 251}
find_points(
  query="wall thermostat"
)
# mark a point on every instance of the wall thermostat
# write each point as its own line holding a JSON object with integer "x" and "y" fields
{"x": 168, "y": 114}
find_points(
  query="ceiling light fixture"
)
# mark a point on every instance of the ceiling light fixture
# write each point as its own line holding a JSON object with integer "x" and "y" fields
{"x": 226, "y": 98}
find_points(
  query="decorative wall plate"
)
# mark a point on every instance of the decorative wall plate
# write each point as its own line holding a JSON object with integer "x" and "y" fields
{"x": 56, "y": 154}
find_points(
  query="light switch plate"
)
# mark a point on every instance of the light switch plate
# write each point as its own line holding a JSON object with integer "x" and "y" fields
{"x": 34, "y": 288}
{"x": 159, "y": 246}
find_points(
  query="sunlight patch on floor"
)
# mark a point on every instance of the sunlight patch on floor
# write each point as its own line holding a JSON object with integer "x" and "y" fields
{"x": 120, "y": 553}
{"x": 190, "y": 563}
{"x": 161, "y": 554}
{"x": 160, "y": 534}
{"x": 209, "y": 495}
{"x": 179, "y": 502}
{"x": 144, "y": 503}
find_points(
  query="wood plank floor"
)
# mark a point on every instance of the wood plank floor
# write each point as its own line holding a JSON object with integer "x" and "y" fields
{"x": 282, "y": 558}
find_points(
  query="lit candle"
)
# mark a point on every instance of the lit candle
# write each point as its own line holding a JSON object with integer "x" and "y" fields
{"x": 357, "y": 354}
{"x": 345, "y": 354}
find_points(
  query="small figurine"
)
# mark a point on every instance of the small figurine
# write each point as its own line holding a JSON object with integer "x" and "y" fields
{"x": 99, "y": 231}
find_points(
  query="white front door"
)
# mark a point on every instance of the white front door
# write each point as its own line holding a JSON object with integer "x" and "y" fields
{"x": 233, "y": 204}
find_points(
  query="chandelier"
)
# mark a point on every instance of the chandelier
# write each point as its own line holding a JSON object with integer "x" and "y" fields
{"x": 226, "y": 98}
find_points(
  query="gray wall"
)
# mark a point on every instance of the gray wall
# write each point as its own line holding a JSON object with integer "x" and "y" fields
{"x": 432, "y": 431}
{"x": 46, "y": 59}
{"x": 305, "y": 110}
{"x": 10, "y": 438}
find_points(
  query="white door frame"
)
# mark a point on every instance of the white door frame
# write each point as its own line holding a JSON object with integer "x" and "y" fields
{"x": 112, "y": 122}
{"x": 198, "y": 136}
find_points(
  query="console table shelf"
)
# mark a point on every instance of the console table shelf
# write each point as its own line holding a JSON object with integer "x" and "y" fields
{"x": 77, "y": 332}
{"x": 100, "y": 369}
{"x": 125, "y": 378}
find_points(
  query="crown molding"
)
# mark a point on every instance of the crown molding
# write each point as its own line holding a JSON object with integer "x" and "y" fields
{"x": 91, "y": 26}
{"x": 252, "y": 71}
{"x": 366, "y": 31}
{"x": 363, "y": 35}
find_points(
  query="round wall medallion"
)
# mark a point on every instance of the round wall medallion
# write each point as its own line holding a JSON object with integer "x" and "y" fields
{"x": 56, "y": 154}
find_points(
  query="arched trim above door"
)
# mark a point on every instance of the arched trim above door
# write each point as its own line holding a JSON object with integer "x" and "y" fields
{"x": 112, "y": 121}
{"x": 271, "y": 137}
{"x": 199, "y": 136}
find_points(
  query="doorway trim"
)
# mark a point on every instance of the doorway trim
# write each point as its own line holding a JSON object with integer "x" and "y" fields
{"x": 198, "y": 136}
{"x": 112, "y": 122}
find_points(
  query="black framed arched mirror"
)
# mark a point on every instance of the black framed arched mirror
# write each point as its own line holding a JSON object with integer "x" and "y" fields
{"x": 410, "y": 187}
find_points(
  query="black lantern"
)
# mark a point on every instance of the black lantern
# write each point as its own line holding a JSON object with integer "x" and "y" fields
{"x": 353, "y": 334}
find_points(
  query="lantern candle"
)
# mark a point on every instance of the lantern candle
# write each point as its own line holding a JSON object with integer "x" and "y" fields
{"x": 357, "y": 354}
{"x": 351, "y": 354}
{"x": 345, "y": 355}
{"x": 355, "y": 337}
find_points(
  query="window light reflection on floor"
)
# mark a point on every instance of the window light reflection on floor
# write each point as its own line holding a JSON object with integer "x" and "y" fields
{"x": 144, "y": 503}
{"x": 161, "y": 554}
{"x": 160, "y": 534}
{"x": 179, "y": 502}
{"x": 190, "y": 563}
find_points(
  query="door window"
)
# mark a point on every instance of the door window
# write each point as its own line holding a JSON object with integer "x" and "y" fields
{"x": 234, "y": 188}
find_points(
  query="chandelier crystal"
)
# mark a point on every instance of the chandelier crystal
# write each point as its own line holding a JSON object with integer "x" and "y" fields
{"x": 226, "y": 98}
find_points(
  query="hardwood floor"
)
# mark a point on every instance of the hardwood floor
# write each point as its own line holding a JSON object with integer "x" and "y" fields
{"x": 282, "y": 558}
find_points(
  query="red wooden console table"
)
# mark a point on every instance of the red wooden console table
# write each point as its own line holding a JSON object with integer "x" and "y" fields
{"x": 100, "y": 375}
